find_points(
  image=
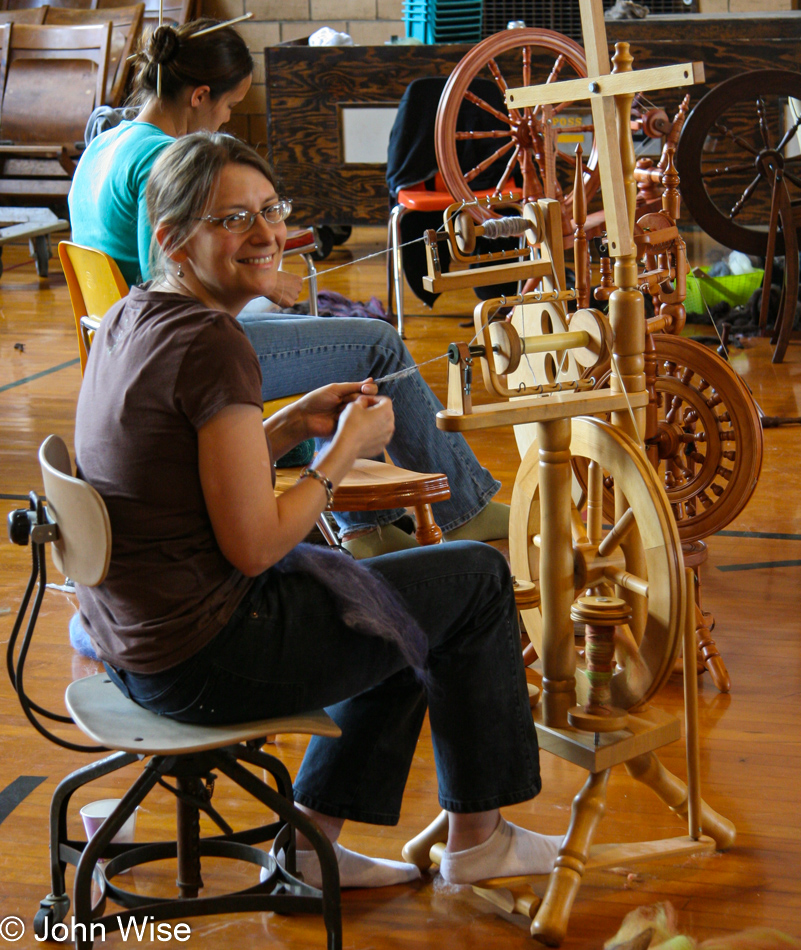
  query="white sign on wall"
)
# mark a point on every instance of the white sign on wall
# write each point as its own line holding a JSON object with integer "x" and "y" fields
{"x": 364, "y": 131}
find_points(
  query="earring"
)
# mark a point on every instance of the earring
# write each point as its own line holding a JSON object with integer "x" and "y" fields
{"x": 180, "y": 271}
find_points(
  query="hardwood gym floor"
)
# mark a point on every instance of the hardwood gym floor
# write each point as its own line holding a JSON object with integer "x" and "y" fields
{"x": 751, "y": 738}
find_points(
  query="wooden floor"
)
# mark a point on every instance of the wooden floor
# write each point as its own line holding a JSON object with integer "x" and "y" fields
{"x": 751, "y": 738}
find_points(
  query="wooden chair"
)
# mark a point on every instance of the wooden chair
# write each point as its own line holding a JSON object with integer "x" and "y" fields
{"x": 126, "y": 26}
{"x": 31, "y": 4}
{"x": 175, "y": 12}
{"x": 34, "y": 15}
{"x": 95, "y": 283}
{"x": 51, "y": 78}
{"x": 75, "y": 522}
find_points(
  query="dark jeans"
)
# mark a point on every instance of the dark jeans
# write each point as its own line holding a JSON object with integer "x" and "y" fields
{"x": 284, "y": 651}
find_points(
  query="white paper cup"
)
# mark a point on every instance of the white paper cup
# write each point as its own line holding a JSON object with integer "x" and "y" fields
{"x": 95, "y": 813}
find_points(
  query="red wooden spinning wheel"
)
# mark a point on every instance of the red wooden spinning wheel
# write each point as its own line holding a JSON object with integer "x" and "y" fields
{"x": 536, "y": 143}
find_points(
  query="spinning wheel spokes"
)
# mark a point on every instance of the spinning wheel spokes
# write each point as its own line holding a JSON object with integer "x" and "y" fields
{"x": 709, "y": 439}
{"x": 542, "y": 168}
{"x": 710, "y": 445}
{"x": 645, "y": 534}
{"x": 733, "y": 144}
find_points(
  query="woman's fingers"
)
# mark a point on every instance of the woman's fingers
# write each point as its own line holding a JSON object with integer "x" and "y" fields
{"x": 370, "y": 421}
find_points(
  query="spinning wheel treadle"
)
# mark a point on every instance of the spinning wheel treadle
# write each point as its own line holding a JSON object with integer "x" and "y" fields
{"x": 526, "y": 138}
{"x": 730, "y": 149}
{"x": 657, "y": 599}
{"x": 709, "y": 438}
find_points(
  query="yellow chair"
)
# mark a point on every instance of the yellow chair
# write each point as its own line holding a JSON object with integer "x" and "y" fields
{"x": 95, "y": 284}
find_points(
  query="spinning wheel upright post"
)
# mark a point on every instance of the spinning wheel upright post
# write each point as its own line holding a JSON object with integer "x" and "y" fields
{"x": 636, "y": 605}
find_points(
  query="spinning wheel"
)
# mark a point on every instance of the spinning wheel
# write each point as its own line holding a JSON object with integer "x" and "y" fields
{"x": 634, "y": 572}
{"x": 526, "y": 137}
{"x": 709, "y": 438}
{"x": 645, "y": 536}
{"x": 732, "y": 145}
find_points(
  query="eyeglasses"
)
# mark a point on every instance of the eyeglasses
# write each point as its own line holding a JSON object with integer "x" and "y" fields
{"x": 244, "y": 220}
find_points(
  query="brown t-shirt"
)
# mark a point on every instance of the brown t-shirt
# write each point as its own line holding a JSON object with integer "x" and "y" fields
{"x": 161, "y": 366}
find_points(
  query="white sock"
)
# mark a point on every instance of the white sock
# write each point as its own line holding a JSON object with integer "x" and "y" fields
{"x": 355, "y": 870}
{"x": 509, "y": 851}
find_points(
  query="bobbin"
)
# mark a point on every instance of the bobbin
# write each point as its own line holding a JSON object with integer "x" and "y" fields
{"x": 600, "y": 615}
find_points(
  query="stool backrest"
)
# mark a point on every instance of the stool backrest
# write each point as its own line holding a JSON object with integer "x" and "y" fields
{"x": 83, "y": 549}
{"x": 95, "y": 284}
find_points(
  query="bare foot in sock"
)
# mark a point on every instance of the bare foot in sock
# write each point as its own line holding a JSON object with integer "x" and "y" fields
{"x": 509, "y": 851}
{"x": 355, "y": 870}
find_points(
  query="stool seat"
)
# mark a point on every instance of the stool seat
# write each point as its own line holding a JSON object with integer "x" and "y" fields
{"x": 101, "y": 711}
{"x": 373, "y": 486}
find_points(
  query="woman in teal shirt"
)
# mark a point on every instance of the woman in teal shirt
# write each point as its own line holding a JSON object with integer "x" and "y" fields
{"x": 107, "y": 199}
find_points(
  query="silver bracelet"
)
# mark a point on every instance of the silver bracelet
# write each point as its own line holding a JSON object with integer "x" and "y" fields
{"x": 325, "y": 482}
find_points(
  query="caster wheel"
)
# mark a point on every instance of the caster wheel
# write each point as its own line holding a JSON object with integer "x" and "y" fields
{"x": 340, "y": 232}
{"x": 325, "y": 242}
{"x": 40, "y": 249}
{"x": 52, "y": 911}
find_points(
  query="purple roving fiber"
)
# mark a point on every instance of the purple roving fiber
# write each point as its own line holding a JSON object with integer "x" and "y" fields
{"x": 367, "y": 602}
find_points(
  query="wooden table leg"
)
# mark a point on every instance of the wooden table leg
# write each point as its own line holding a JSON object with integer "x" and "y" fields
{"x": 428, "y": 531}
{"x": 674, "y": 793}
{"x": 550, "y": 924}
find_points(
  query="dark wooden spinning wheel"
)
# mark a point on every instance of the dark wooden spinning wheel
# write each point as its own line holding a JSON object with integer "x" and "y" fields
{"x": 527, "y": 139}
{"x": 740, "y": 171}
{"x": 732, "y": 144}
{"x": 708, "y": 439}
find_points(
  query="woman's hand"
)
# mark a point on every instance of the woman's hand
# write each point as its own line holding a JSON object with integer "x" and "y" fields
{"x": 252, "y": 528}
{"x": 367, "y": 425}
{"x": 320, "y": 409}
{"x": 287, "y": 289}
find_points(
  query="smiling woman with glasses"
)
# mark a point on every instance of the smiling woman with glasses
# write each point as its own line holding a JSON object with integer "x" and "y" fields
{"x": 214, "y": 611}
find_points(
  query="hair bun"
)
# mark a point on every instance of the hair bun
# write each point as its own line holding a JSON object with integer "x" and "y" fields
{"x": 164, "y": 45}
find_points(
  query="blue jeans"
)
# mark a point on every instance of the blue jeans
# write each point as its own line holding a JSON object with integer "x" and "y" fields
{"x": 298, "y": 354}
{"x": 285, "y": 651}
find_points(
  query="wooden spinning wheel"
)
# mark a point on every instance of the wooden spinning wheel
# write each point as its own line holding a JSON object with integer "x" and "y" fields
{"x": 527, "y": 138}
{"x": 732, "y": 144}
{"x": 709, "y": 438}
{"x": 641, "y": 554}
{"x": 635, "y": 597}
